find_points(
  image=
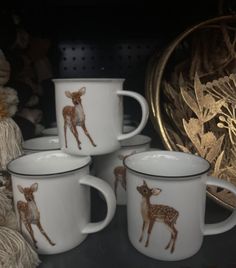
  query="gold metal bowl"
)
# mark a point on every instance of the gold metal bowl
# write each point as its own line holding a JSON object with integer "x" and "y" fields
{"x": 191, "y": 89}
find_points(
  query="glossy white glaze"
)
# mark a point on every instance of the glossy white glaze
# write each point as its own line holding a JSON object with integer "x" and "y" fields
{"x": 103, "y": 109}
{"x": 110, "y": 166}
{"x": 53, "y": 131}
{"x": 60, "y": 185}
{"x": 177, "y": 194}
{"x": 41, "y": 144}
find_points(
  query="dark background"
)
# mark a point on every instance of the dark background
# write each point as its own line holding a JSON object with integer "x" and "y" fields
{"x": 110, "y": 38}
{"x": 105, "y": 19}
{"x": 117, "y": 39}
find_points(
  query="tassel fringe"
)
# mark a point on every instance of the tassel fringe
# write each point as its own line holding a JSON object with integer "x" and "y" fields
{"x": 15, "y": 251}
{"x": 10, "y": 142}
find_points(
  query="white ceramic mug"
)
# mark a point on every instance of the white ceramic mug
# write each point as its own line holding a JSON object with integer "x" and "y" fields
{"x": 52, "y": 199}
{"x": 39, "y": 144}
{"x": 90, "y": 115}
{"x": 110, "y": 166}
{"x": 128, "y": 128}
{"x": 128, "y": 120}
{"x": 52, "y": 131}
{"x": 166, "y": 194}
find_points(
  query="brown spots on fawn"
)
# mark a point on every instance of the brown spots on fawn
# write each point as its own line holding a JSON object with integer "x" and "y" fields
{"x": 29, "y": 213}
{"x": 152, "y": 213}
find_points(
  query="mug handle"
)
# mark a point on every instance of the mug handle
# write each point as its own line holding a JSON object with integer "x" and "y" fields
{"x": 230, "y": 222}
{"x": 110, "y": 199}
{"x": 145, "y": 113}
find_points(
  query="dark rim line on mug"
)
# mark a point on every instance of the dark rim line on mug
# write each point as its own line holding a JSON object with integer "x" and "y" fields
{"x": 169, "y": 176}
{"x": 39, "y": 150}
{"x": 88, "y": 79}
{"x": 49, "y": 174}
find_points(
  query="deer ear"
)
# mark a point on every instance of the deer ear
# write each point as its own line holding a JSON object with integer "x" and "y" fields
{"x": 34, "y": 187}
{"x": 20, "y": 188}
{"x": 156, "y": 191}
{"x": 82, "y": 91}
{"x": 68, "y": 94}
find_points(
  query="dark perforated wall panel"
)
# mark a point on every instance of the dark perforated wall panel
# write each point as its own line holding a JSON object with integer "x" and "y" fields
{"x": 111, "y": 58}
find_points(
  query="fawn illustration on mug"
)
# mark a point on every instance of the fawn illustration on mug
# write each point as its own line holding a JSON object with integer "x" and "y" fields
{"x": 152, "y": 213}
{"x": 29, "y": 213}
{"x": 74, "y": 115}
{"x": 120, "y": 173}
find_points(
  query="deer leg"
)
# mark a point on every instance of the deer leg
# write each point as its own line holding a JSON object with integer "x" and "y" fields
{"x": 171, "y": 239}
{"x": 151, "y": 223}
{"x": 20, "y": 220}
{"x": 44, "y": 233}
{"x": 87, "y": 134}
{"x": 175, "y": 234}
{"x": 65, "y": 133}
{"x": 76, "y": 135}
{"x": 123, "y": 183}
{"x": 30, "y": 231}
{"x": 143, "y": 229}
{"x": 168, "y": 224}
{"x": 116, "y": 185}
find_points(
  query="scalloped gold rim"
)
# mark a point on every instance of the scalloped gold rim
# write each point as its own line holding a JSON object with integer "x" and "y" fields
{"x": 153, "y": 86}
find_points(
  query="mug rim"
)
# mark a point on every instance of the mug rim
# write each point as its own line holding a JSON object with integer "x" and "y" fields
{"x": 49, "y": 174}
{"x": 40, "y": 139}
{"x": 124, "y": 145}
{"x": 88, "y": 79}
{"x": 184, "y": 177}
{"x": 46, "y": 131}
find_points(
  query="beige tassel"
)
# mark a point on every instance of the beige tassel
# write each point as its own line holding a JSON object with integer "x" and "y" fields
{"x": 10, "y": 141}
{"x": 7, "y": 214}
{"x": 15, "y": 251}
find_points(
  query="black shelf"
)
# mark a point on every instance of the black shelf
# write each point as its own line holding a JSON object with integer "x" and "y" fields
{"x": 111, "y": 247}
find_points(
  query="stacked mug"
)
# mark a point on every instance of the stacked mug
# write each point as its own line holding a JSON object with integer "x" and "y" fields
{"x": 165, "y": 191}
{"x": 110, "y": 167}
{"x": 51, "y": 188}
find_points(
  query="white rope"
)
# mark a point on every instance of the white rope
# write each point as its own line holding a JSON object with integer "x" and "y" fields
{"x": 15, "y": 251}
{"x": 7, "y": 214}
{"x": 10, "y": 141}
